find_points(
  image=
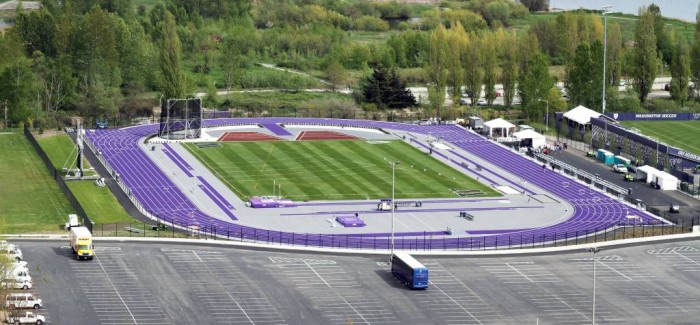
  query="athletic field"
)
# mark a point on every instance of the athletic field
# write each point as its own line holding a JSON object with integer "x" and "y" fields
{"x": 681, "y": 134}
{"x": 332, "y": 170}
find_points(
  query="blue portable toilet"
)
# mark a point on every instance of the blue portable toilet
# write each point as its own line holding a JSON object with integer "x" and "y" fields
{"x": 622, "y": 160}
{"x": 609, "y": 158}
{"x": 601, "y": 154}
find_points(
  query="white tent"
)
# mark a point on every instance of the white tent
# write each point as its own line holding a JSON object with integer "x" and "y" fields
{"x": 537, "y": 139}
{"x": 581, "y": 115}
{"x": 665, "y": 181}
{"x": 504, "y": 127}
{"x": 648, "y": 172}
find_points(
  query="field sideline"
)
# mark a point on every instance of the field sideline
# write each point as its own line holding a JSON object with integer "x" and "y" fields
{"x": 332, "y": 170}
{"x": 681, "y": 134}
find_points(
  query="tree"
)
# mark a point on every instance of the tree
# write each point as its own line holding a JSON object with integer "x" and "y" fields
{"x": 490, "y": 63}
{"x": 680, "y": 72}
{"x": 55, "y": 81}
{"x": 509, "y": 68}
{"x": 335, "y": 73}
{"x": 473, "y": 72}
{"x": 437, "y": 68}
{"x": 663, "y": 43}
{"x": 456, "y": 42}
{"x": 536, "y": 84}
{"x": 173, "y": 85}
{"x": 584, "y": 76}
{"x": 613, "y": 67}
{"x": 695, "y": 57}
{"x": 385, "y": 89}
{"x": 17, "y": 86}
{"x": 536, "y": 5}
{"x": 646, "y": 61}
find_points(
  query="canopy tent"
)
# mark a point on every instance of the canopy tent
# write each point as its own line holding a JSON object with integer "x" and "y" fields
{"x": 581, "y": 115}
{"x": 502, "y": 127}
{"x": 538, "y": 140}
{"x": 665, "y": 181}
{"x": 647, "y": 172}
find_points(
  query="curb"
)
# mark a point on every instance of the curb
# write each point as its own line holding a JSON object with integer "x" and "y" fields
{"x": 303, "y": 249}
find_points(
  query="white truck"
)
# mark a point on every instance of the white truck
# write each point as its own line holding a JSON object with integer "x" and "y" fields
{"x": 81, "y": 243}
{"x": 28, "y": 318}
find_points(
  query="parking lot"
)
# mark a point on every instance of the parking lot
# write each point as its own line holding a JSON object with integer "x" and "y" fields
{"x": 137, "y": 283}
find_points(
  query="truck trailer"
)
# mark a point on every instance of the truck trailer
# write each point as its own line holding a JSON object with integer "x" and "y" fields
{"x": 81, "y": 243}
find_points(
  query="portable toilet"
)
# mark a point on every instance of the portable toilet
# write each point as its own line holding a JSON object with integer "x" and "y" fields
{"x": 609, "y": 158}
{"x": 601, "y": 154}
{"x": 622, "y": 160}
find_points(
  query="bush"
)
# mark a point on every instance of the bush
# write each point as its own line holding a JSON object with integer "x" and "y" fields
{"x": 371, "y": 24}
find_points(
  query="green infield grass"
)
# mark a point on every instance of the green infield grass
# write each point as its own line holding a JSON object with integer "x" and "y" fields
{"x": 332, "y": 170}
{"x": 680, "y": 134}
{"x": 30, "y": 200}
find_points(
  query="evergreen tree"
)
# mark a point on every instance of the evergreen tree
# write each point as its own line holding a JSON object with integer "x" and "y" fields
{"x": 386, "y": 90}
{"x": 646, "y": 63}
{"x": 173, "y": 85}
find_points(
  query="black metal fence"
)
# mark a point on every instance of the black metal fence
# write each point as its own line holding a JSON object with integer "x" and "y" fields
{"x": 417, "y": 243}
{"x": 59, "y": 179}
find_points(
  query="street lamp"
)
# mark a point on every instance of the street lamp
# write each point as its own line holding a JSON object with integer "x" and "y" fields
{"x": 594, "y": 250}
{"x": 393, "y": 205}
{"x": 606, "y": 10}
{"x": 546, "y": 116}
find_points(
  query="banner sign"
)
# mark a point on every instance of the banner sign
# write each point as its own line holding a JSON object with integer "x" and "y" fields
{"x": 654, "y": 116}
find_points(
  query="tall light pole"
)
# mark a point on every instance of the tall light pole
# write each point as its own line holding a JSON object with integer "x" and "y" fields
{"x": 606, "y": 10}
{"x": 546, "y": 116}
{"x": 393, "y": 204}
{"x": 593, "y": 250}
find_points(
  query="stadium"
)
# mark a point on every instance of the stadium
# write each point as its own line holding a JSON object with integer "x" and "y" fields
{"x": 293, "y": 181}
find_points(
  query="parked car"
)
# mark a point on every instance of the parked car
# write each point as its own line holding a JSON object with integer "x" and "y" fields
{"x": 620, "y": 168}
{"x": 28, "y": 318}
{"x": 23, "y": 300}
{"x": 481, "y": 102}
{"x": 9, "y": 283}
{"x": 464, "y": 101}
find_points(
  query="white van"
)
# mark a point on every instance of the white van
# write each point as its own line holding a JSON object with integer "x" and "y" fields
{"x": 19, "y": 273}
{"x": 12, "y": 252}
{"x": 23, "y": 300}
{"x": 15, "y": 284}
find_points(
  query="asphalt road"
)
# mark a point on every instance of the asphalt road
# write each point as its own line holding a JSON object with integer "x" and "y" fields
{"x": 136, "y": 283}
{"x": 640, "y": 190}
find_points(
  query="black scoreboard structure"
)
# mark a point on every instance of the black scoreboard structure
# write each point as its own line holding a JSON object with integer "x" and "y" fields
{"x": 180, "y": 119}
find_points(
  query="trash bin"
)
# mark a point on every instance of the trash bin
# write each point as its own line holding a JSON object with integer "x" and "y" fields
{"x": 684, "y": 186}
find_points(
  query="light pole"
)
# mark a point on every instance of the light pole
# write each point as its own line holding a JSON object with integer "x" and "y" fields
{"x": 546, "y": 118}
{"x": 393, "y": 205}
{"x": 593, "y": 250}
{"x": 606, "y": 10}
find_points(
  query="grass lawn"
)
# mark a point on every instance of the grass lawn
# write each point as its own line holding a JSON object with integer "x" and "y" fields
{"x": 332, "y": 170}
{"x": 99, "y": 203}
{"x": 60, "y": 148}
{"x": 680, "y": 134}
{"x": 30, "y": 200}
